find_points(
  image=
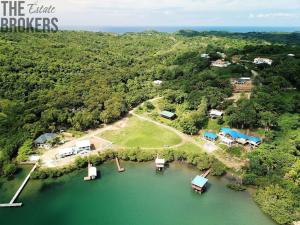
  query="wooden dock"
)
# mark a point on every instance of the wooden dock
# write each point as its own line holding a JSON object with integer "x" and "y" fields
{"x": 205, "y": 174}
{"x": 11, "y": 203}
{"x": 120, "y": 169}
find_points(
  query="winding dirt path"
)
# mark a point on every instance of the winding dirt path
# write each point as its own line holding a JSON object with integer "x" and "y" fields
{"x": 209, "y": 147}
{"x": 49, "y": 159}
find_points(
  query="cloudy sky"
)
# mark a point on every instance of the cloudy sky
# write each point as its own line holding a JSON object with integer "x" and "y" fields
{"x": 177, "y": 12}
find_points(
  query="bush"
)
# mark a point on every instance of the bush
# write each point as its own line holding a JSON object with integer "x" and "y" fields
{"x": 249, "y": 179}
{"x": 236, "y": 187}
{"x": 39, "y": 174}
{"x": 218, "y": 168}
{"x": 149, "y": 106}
{"x": 220, "y": 121}
{"x": 81, "y": 162}
{"x": 9, "y": 170}
{"x": 277, "y": 202}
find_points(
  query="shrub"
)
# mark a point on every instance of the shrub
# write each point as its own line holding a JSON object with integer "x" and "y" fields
{"x": 9, "y": 169}
{"x": 277, "y": 202}
{"x": 218, "y": 168}
{"x": 81, "y": 162}
{"x": 249, "y": 179}
{"x": 149, "y": 106}
{"x": 236, "y": 187}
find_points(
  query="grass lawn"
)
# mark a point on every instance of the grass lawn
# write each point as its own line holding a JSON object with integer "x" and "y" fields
{"x": 213, "y": 125}
{"x": 189, "y": 147}
{"x": 138, "y": 133}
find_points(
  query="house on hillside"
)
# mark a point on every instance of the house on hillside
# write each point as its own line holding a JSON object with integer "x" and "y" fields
{"x": 205, "y": 56}
{"x": 168, "y": 115}
{"x": 259, "y": 61}
{"x": 291, "y": 55}
{"x": 240, "y": 137}
{"x": 242, "y": 80}
{"x": 44, "y": 140}
{"x": 227, "y": 141}
{"x": 157, "y": 82}
{"x": 220, "y": 63}
{"x": 215, "y": 113}
{"x": 210, "y": 136}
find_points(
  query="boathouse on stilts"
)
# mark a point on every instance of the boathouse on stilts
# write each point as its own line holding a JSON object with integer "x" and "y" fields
{"x": 160, "y": 163}
{"x": 199, "y": 182}
{"x": 92, "y": 173}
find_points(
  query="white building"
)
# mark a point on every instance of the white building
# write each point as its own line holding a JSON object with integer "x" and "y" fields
{"x": 259, "y": 61}
{"x": 220, "y": 63}
{"x": 160, "y": 163}
{"x": 92, "y": 173}
{"x": 215, "y": 113}
{"x": 241, "y": 80}
{"x": 65, "y": 152}
{"x": 226, "y": 140}
{"x": 157, "y": 82}
{"x": 291, "y": 55}
{"x": 83, "y": 145}
{"x": 204, "y": 55}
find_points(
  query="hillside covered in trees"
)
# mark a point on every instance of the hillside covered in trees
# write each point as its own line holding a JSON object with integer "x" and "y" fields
{"x": 80, "y": 80}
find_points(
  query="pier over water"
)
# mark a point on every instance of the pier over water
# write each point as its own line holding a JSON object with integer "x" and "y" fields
{"x": 11, "y": 203}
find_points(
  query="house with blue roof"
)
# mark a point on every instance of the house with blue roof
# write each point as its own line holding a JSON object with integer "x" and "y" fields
{"x": 199, "y": 183}
{"x": 210, "y": 136}
{"x": 240, "y": 137}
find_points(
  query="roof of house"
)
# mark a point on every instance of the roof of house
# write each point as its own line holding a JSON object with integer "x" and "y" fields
{"x": 216, "y": 112}
{"x": 64, "y": 151}
{"x": 210, "y": 135}
{"x": 234, "y": 134}
{"x": 226, "y": 140}
{"x": 92, "y": 171}
{"x": 157, "y": 82}
{"x": 199, "y": 181}
{"x": 159, "y": 161}
{"x": 167, "y": 114}
{"x": 44, "y": 138}
{"x": 83, "y": 143}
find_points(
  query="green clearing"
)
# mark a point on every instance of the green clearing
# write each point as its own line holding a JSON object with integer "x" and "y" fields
{"x": 213, "y": 125}
{"x": 189, "y": 147}
{"x": 138, "y": 133}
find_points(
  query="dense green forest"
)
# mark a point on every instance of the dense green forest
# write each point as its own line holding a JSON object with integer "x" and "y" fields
{"x": 80, "y": 80}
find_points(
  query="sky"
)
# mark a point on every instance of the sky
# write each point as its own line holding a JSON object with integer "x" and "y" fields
{"x": 177, "y": 12}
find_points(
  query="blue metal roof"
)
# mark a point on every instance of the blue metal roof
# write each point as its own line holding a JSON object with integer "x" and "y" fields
{"x": 210, "y": 135}
{"x": 234, "y": 134}
{"x": 199, "y": 181}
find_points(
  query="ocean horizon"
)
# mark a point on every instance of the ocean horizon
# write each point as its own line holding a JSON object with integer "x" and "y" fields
{"x": 171, "y": 29}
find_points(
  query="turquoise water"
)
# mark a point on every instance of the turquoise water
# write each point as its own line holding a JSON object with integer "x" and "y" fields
{"x": 140, "y": 196}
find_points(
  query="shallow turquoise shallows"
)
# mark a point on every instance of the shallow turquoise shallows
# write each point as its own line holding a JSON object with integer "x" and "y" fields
{"x": 139, "y": 196}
